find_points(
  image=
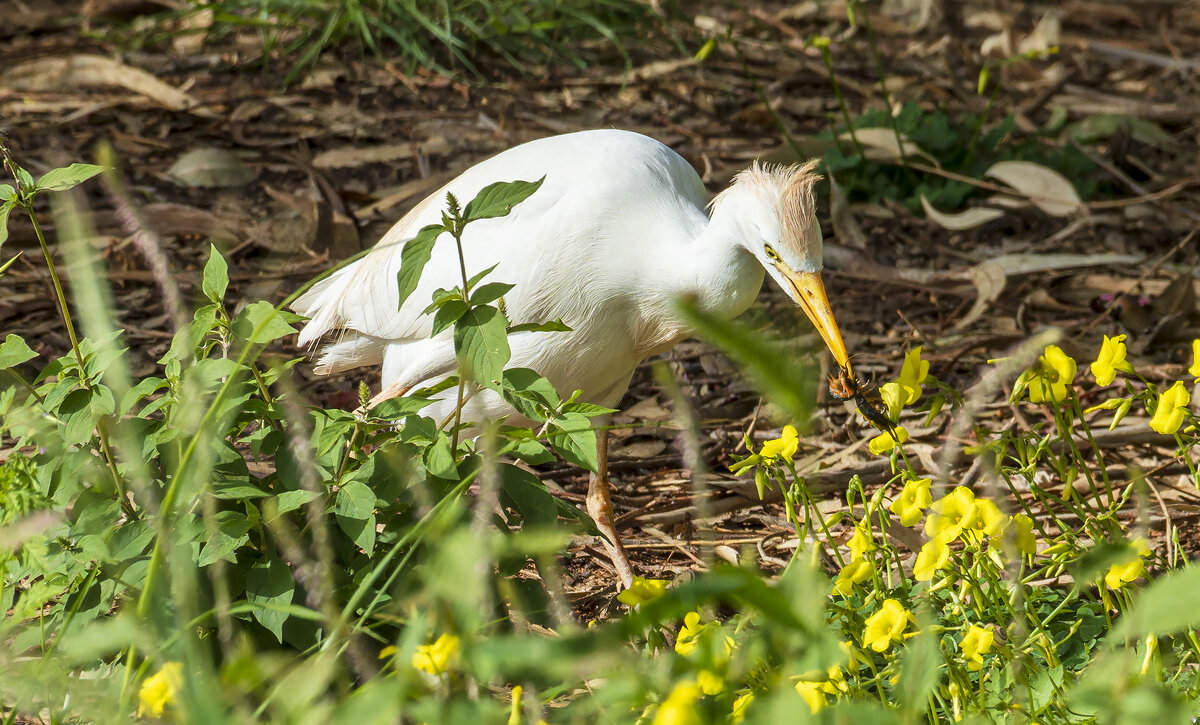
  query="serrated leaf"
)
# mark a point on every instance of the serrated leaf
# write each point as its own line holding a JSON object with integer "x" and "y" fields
{"x": 216, "y": 276}
{"x": 413, "y": 259}
{"x": 497, "y": 200}
{"x": 489, "y": 292}
{"x": 14, "y": 351}
{"x": 67, "y": 177}
{"x": 269, "y": 582}
{"x": 551, "y": 326}
{"x": 481, "y": 344}
{"x": 261, "y": 323}
{"x": 1049, "y": 190}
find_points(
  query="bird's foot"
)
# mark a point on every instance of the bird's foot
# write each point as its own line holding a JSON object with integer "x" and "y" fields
{"x": 600, "y": 508}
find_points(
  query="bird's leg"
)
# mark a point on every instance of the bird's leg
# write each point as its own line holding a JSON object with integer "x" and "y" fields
{"x": 600, "y": 508}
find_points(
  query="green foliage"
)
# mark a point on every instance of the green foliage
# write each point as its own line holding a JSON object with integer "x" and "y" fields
{"x": 965, "y": 144}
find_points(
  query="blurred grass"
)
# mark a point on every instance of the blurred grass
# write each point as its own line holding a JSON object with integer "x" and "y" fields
{"x": 473, "y": 37}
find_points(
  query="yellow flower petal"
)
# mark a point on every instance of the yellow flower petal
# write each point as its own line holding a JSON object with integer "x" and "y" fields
{"x": 739, "y": 707}
{"x": 680, "y": 706}
{"x": 912, "y": 374}
{"x": 1194, "y": 370}
{"x": 952, "y": 513}
{"x": 1172, "y": 407}
{"x": 975, "y": 643}
{"x": 642, "y": 591}
{"x": 934, "y": 555}
{"x": 1049, "y": 380}
{"x": 437, "y": 658}
{"x": 784, "y": 446}
{"x": 912, "y": 501}
{"x": 160, "y": 690}
{"x": 1111, "y": 360}
{"x": 855, "y": 572}
{"x": 886, "y": 626}
{"x": 885, "y": 442}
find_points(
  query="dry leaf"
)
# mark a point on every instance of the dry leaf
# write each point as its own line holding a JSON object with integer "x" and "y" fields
{"x": 1046, "y": 188}
{"x": 212, "y": 168}
{"x": 87, "y": 71}
{"x": 968, "y": 219}
{"x": 358, "y": 156}
{"x": 989, "y": 279}
{"x": 883, "y": 144}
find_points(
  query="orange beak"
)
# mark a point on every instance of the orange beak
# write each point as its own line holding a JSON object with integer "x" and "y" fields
{"x": 809, "y": 292}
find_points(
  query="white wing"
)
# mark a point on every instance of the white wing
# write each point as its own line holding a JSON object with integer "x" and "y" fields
{"x": 573, "y": 249}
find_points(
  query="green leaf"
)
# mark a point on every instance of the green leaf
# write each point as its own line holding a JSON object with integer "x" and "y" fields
{"x": 489, "y": 292}
{"x": 354, "y": 507}
{"x": 497, "y": 200}
{"x": 573, "y": 437}
{"x": 780, "y": 377}
{"x": 231, "y": 532}
{"x": 449, "y": 313}
{"x": 525, "y": 493}
{"x": 551, "y": 326}
{"x": 439, "y": 458}
{"x": 216, "y": 276}
{"x": 269, "y": 582}
{"x": 396, "y": 408}
{"x": 145, "y": 386}
{"x": 292, "y": 500}
{"x": 235, "y": 490}
{"x": 413, "y": 258}
{"x": 14, "y": 351}
{"x": 474, "y": 280}
{"x": 1169, "y": 605}
{"x": 25, "y": 180}
{"x": 5, "y": 208}
{"x": 481, "y": 344}
{"x": 532, "y": 395}
{"x": 443, "y": 297}
{"x": 67, "y": 177}
{"x": 4, "y": 267}
{"x": 261, "y": 323}
{"x": 7, "y": 193}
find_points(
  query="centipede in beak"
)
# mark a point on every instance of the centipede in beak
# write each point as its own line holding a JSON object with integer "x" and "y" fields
{"x": 845, "y": 386}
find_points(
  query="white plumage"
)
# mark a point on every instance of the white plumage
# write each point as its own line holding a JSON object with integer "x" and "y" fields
{"x": 616, "y": 233}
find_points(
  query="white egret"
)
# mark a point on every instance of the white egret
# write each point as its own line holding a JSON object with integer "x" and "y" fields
{"x": 616, "y": 233}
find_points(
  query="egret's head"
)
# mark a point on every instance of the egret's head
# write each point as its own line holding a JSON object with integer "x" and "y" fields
{"x": 775, "y": 209}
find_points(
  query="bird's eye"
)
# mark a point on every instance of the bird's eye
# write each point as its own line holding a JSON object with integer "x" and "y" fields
{"x": 771, "y": 253}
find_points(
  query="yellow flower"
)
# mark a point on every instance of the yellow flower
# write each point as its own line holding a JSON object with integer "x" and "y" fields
{"x": 885, "y": 442}
{"x": 1194, "y": 370}
{"x": 1172, "y": 405}
{"x": 1111, "y": 360}
{"x": 692, "y": 633}
{"x": 952, "y": 513}
{"x": 642, "y": 591}
{"x": 1025, "y": 540}
{"x": 913, "y": 373}
{"x": 856, "y": 572}
{"x": 782, "y": 447}
{"x": 861, "y": 542}
{"x": 975, "y": 644}
{"x": 987, "y": 521}
{"x": 514, "y": 715}
{"x": 437, "y": 658}
{"x": 710, "y": 682}
{"x": 813, "y": 695}
{"x": 739, "y": 707}
{"x": 914, "y": 499}
{"x": 680, "y": 706}
{"x": 1049, "y": 380}
{"x": 1121, "y": 574}
{"x": 933, "y": 556}
{"x": 887, "y": 625}
{"x": 387, "y": 651}
{"x": 160, "y": 690}
{"x": 894, "y": 397}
